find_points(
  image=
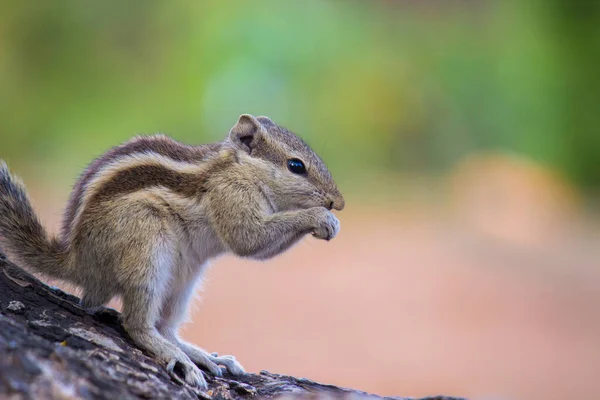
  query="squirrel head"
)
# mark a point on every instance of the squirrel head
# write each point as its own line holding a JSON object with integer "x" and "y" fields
{"x": 292, "y": 173}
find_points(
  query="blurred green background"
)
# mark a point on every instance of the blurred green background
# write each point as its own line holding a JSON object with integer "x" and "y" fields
{"x": 475, "y": 122}
{"x": 385, "y": 86}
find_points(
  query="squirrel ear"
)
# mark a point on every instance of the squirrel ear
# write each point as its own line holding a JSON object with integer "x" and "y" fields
{"x": 265, "y": 120}
{"x": 245, "y": 132}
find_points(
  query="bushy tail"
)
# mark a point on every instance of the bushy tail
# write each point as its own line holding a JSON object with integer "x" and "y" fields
{"x": 22, "y": 236}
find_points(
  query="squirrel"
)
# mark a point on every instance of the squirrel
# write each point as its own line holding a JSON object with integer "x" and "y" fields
{"x": 144, "y": 219}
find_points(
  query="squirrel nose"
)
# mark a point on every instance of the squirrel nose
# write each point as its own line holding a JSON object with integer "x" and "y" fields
{"x": 337, "y": 203}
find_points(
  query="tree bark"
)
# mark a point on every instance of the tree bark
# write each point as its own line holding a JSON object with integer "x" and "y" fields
{"x": 50, "y": 348}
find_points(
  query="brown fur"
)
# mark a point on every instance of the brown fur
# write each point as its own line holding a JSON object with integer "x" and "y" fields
{"x": 158, "y": 144}
{"x": 144, "y": 220}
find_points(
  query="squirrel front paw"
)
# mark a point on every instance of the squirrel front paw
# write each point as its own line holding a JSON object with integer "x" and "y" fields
{"x": 327, "y": 224}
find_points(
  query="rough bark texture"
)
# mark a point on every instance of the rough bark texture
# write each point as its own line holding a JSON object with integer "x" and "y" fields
{"x": 51, "y": 348}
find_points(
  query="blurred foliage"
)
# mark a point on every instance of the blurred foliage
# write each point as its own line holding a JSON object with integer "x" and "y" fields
{"x": 409, "y": 86}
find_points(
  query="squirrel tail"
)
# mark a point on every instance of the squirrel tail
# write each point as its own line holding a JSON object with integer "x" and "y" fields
{"x": 22, "y": 236}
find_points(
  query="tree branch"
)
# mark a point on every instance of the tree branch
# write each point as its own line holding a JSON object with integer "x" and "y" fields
{"x": 52, "y": 348}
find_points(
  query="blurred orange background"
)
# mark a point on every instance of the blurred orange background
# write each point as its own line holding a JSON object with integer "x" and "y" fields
{"x": 463, "y": 135}
{"x": 465, "y": 295}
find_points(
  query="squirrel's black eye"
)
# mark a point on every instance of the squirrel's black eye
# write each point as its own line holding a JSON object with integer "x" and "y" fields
{"x": 296, "y": 166}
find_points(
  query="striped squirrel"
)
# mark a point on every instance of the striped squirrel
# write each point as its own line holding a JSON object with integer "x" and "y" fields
{"x": 144, "y": 219}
